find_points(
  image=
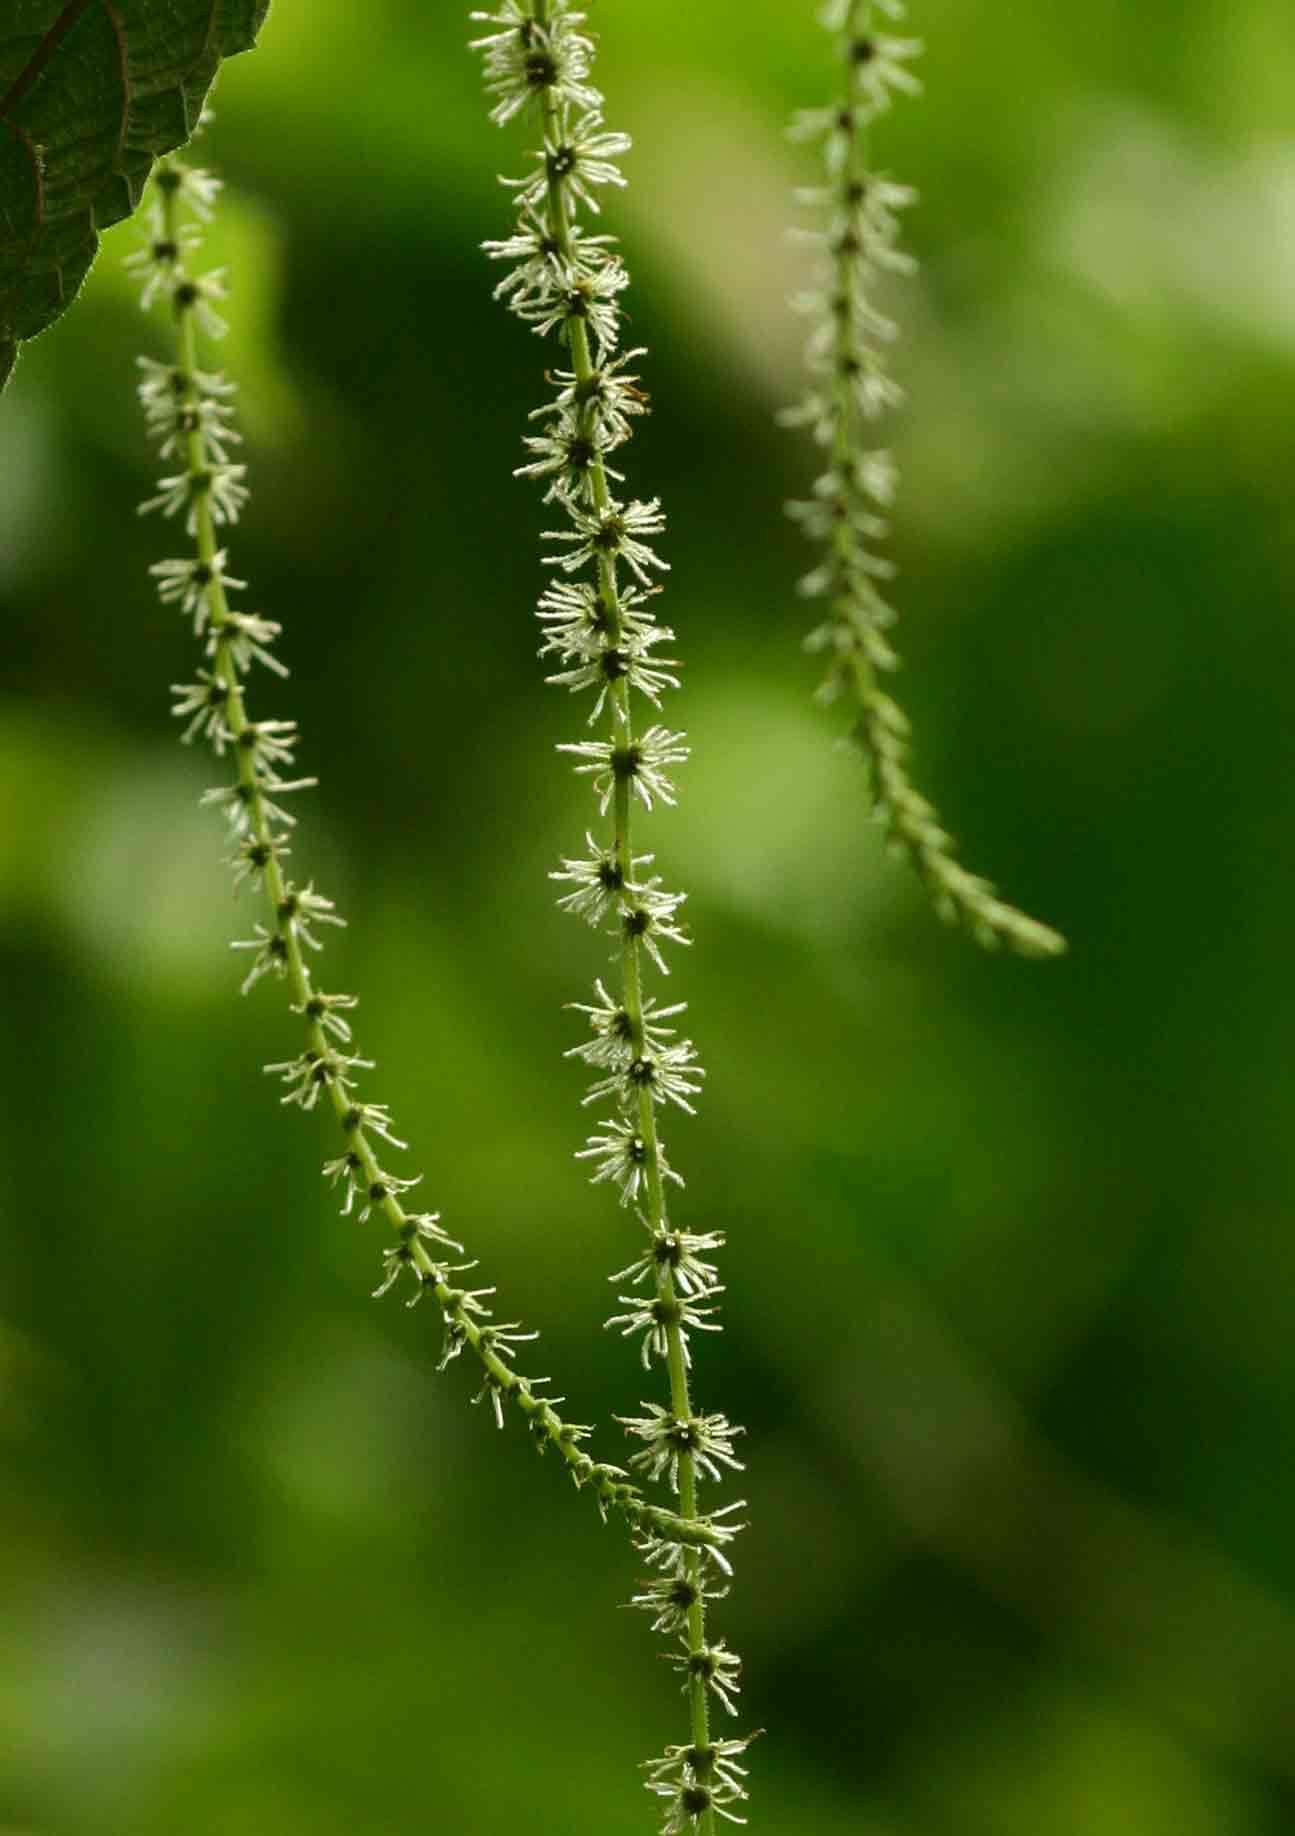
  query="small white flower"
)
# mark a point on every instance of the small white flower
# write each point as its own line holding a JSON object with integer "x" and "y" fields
{"x": 313, "y": 1072}
{"x": 349, "y": 1168}
{"x": 420, "y": 1229}
{"x": 629, "y": 661}
{"x": 642, "y": 763}
{"x": 174, "y": 494}
{"x": 273, "y": 742}
{"x": 395, "y": 1261}
{"x": 324, "y": 1010}
{"x": 196, "y": 188}
{"x": 547, "y": 266}
{"x": 611, "y": 393}
{"x": 199, "y": 294}
{"x": 208, "y": 418}
{"x": 660, "y": 1316}
{"x": 614, "y": 1031}
{"x": 617, "y": 531}
{"x": 576, "y": 617}
{"x": 648, "y": 917}
{"x": 878, "y": 221}
{"x": 705, "y": 1439}
{"x": 220, "y": 486}
{"x": 583, "y": 159}
{"x": 188, "y": 583}
{"x": 591, "y": 295}
{"x": 612, "y": 1027}
{"x": 203, "y": 704}
{"x": 301, "y": 906}
{"x": 876, "y": 392}
{"x": 720, "y": 1669}
{"x": 567, "y": 454}
{"x": 247, "y": 637}
{"x": 690, "y": 1803}
{"x": 464, "y": 1304}
{"x": 525, "y": 60}
{"x": 268, "y": 780}
{"x": 599, "y": 882}
{"x": 495, "y": 1389}
{"x": 722, "y": 1764}
{"x": 668, "y": 1074}
{"x": 622, "y": 1155}
{"x": 504, "y": 1339}
{"x": 369, "y": 1118}
{"x": 427, "y": 1227}
{"x": 678, "y": 1251}
{"x": 251, "y": 858}
{"x": 670, "y": 1599}
{"x": 270, "y": 956}
{"x": 161, "y": 384}
{"x": 246, "y": 806}
{"x": 881, "y": 70}
{"x": 876, "y": 475}
{"x": 383, "y": 1186}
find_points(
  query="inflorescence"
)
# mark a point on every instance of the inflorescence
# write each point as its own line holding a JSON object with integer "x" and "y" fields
{"x": 189, "y": 412}
{"x": 846, "y": 515}
{"x": 597, "y": 622}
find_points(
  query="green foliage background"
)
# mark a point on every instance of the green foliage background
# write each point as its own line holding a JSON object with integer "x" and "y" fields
{"x": 1012, "y": 1267}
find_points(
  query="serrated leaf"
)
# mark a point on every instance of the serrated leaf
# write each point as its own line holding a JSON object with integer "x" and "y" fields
{"x": 91, "y": 93}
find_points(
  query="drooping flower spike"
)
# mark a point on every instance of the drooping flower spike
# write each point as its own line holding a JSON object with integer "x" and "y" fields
{"x": 598, "y": 625}
{"x": 188, "y": 411}
{"x": 851, "y": 393}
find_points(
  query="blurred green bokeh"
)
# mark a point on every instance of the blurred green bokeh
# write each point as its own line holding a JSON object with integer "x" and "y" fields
{"x": 1011, "y": 1272}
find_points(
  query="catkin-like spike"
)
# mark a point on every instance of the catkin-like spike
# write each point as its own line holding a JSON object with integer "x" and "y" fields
{"x": 597, "y": 618}
{"x": 851, "y": 392}
{"x": 188, "y": 411}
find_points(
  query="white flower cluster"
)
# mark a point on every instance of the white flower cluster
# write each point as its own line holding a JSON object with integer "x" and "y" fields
{"x": 597, "y": 624}
{"x": 851, "y": 392}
